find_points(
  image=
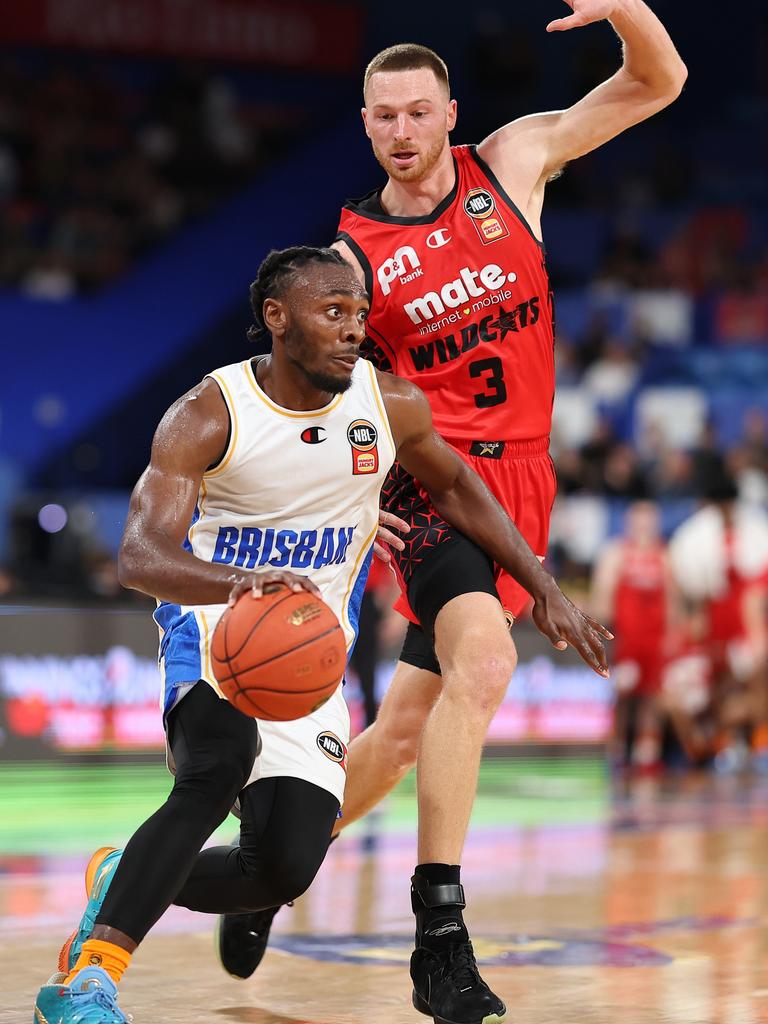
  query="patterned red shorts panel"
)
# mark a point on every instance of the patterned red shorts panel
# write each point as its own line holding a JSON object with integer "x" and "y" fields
{"x": 523, "y": 481}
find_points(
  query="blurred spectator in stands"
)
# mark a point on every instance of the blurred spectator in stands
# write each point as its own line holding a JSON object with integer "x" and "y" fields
{"x": 613, "y": 375}
{"x": 672, "y": 475}
{"x": 50, "y": 278}
{"x": 627, "y": 262}
{"x": 755, "y": 440}
{"x": 623, "y": 476}
{"x": 741, "y": 312}
{"x": 752, "y": 482}
{"x": 567, "y": 368}
{"x": 93, "y": 170}
{"x": 569, "y": 467}
{"x": 594, "y": 455}
{"x": 707, "y": 459}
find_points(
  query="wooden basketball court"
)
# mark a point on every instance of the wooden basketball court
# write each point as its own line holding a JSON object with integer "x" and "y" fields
{"x": 586, "y": 905}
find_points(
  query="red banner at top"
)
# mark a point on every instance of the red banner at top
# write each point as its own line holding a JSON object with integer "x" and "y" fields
{"x": 322, "y": 36}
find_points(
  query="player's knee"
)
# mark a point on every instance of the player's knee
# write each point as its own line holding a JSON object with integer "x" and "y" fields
{"x": 215, "y": 785}
{"x": 291, "y": 871}
{"x": 482, "y": 681}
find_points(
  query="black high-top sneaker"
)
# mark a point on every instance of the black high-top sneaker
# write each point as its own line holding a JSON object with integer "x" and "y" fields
{"x": 446, "y": 982}
{"x": 242, "y": 940}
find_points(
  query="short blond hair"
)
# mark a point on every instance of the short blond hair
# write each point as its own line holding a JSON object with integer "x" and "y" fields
{"x": 407, "y": 57}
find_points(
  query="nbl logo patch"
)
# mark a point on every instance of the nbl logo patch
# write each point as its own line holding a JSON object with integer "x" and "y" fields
{"x": 480, "y": 207}
{"x": 478, "y": 203}
{"x": 363, "y": 440}
{"x": 333, "y": 748}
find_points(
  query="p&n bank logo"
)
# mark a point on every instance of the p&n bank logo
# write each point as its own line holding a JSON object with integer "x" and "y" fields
{"x": 404, "y": 265}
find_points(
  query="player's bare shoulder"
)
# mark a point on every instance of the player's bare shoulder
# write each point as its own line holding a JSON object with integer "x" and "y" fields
{"x": 196, "y": 426}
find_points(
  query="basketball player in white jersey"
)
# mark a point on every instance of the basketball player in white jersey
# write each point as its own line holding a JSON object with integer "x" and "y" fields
{"x": 269, "y": 471}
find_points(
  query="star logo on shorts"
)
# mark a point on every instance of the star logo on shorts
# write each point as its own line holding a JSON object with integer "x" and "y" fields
{"x": 489, "y": 447}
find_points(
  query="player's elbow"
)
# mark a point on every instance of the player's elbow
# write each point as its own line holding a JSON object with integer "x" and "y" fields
{"x": 672, "y": 84}
{"x": 679, "y": 78}
{"x": 131, "y": 567}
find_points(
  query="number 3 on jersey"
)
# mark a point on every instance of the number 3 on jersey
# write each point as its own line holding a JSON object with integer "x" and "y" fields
{"x": 495, "y": 392}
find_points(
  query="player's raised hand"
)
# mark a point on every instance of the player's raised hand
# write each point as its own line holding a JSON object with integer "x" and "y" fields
{"x": 385, "y": 535}
{"x": 563, "y": 623}
{"x": 584, "y": 13}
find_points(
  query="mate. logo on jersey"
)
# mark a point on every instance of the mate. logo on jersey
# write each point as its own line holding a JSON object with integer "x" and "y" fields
{"x": 312, "y": 435}
{"x": 469, "y": 286}
{"x": 404, "y": 265}
{"x": 363, "y": 439}
{"x": 480, "y": 206}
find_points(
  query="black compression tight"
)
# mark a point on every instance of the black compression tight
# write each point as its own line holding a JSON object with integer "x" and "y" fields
{"x": 285, "y": 829}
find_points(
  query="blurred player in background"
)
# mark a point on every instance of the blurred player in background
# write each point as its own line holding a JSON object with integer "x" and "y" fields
{"x": 719, "y": 561}
{"x": 450, "y": 250}
{"x": 631, "y": 590}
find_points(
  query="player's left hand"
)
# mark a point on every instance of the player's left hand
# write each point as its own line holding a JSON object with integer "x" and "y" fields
{"x": 385, "y": 535}
{"x": 559, "y": 619}
{"x": 584, "y": 13}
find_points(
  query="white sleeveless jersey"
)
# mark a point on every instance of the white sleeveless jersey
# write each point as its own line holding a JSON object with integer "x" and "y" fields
{"x": 294, "y": 490}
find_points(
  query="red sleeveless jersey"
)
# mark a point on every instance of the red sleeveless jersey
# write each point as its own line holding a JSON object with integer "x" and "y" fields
{"x": 640, "y": 608}
{"x": 460, "y": 304}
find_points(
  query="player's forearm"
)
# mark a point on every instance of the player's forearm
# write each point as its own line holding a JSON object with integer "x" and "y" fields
{"x": 470, "y": 507}
{"x": 650, "y": 56}
{"x": 155, "y": 566}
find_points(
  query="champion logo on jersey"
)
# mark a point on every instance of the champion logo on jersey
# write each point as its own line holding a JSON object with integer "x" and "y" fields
{"x": 438, "y": 239}
{"x": 363, "y": 439}
{"x": 313, "y": 435}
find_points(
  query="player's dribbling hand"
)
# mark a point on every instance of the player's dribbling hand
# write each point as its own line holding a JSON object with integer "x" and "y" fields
{"x": 585, "y": 12}
{"x": 385, "y": 536}
{"x": 260, "y": 582}
{"x": 563, "y": 623}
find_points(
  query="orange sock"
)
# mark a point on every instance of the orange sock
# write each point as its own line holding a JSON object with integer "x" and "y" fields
{"x": 95, "y": 953}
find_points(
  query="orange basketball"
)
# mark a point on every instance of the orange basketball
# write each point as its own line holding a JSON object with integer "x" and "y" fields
{"x": 278, "y": 657}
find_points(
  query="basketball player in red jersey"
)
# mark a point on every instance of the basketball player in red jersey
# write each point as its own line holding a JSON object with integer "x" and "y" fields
{"x": 451, "y": 255}
{"x": 632, "y": 588}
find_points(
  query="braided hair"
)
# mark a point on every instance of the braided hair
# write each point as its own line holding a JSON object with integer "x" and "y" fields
{"x": 275, "y": 273}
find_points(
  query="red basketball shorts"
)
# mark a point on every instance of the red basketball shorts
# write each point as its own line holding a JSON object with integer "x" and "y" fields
{"x": 520, "y": 475}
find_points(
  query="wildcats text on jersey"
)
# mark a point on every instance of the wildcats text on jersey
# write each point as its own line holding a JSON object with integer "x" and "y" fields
{"x": 491, "y": 328}
{"x": 310, "y": 549}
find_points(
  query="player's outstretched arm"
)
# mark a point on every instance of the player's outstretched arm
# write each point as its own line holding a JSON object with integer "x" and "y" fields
{"x": 651, "y": 76}
{"x": 463, "y": 500}
{"x": 191, "y": 437}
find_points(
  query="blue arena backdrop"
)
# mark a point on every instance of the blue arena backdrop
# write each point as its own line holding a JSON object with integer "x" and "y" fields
{"x": 75, "y": 680}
